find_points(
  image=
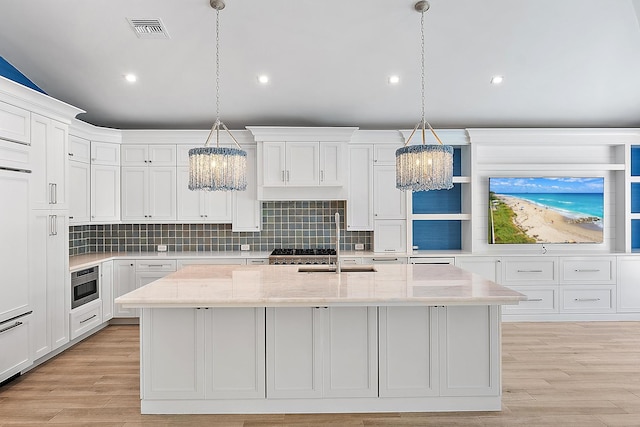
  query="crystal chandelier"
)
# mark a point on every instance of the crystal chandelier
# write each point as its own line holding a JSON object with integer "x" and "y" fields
{"x": 427, "y": 166}
{"x": 218, "y": 168}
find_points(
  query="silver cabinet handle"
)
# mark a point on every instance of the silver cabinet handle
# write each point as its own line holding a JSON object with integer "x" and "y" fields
{"x": 535, "y": 299}
{"x": 51, "y": 193}
{"x": 321, "y": 176}
{"x": 595, "y": 270}
{"x": 288, "y": 176}
{"x": 529, "y": 271}
{"x": 15, "y": 325}
{"x": 87, "y": 319}
{"x": 385, "y": 259}
{"x": 156, "y": 265}
{"x": 55, "y": 225}
{"x": 586, "y": 299}
{"x": 52, "y": 225}
{"x": 282, "y": 176}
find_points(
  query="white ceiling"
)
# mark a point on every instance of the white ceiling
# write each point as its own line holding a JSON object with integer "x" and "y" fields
{"x": 567, "y": 63}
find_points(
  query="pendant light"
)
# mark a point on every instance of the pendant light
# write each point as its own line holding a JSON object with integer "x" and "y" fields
{"x": 218, "y": 168}
{"x": 426, "y": 166}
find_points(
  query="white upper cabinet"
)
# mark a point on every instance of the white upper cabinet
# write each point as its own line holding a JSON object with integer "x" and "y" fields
{"x": 105, "y": 153}
{"x": 302, "y": 164}
{"x": 202, "y": 206}
{"x": 15, "y": 123}
{"x": 79, "y": 192}
{"x": 79, "y": 149}
{"x": 389, "y": 202}
{"x": 50, "y": 142}
{"x": 385, "y": 154}
{"x": 148, "y": 155}
{"x": 105, "y": 193}
{"x": 360, "y": 184}
{"x": 148, "y": 194}
{"x": 247, "y": 210}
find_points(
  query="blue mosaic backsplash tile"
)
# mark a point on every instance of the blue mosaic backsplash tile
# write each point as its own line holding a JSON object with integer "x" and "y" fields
{"x": 302, "y": 224}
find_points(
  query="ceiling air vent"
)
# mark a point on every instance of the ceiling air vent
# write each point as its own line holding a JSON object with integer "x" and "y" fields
{"x": 149, "y": 28}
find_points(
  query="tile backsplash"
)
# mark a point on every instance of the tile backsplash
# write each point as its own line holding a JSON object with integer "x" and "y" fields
{"x": 284, "y": 225}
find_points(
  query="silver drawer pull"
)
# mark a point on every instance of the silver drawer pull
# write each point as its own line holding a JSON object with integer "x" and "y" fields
{"x": 156, "y": 265}
{"x": 15, "y": 325}
{"x": 529, "y": 271}
{"x": 587, "y": 271}
{"x": 535, "y": 299}
{"x": 586, "y": 299}
{"x": 384, "y": 259}
{"x": 86, "y": 320}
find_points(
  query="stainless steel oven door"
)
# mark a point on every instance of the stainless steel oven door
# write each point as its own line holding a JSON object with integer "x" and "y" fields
{"x": 84, "y": 286}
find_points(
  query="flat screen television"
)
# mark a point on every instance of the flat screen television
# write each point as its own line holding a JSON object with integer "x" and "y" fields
{"x": 530, "y": 210}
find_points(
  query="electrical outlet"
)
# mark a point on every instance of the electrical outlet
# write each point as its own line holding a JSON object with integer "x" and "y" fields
{"x": 245, "y": 247}
{"x": 359, "y": 246}
{"x": 162, "y": 248}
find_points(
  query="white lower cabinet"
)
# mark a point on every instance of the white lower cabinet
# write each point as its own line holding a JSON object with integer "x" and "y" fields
{"x": 390, "y": 235}
{"x": 628, "y": 284}
{"x": 588, "y": 299}
{"x": 540, "y": 300}
{"x": 322, "y": 352}
{"x": 85, "y": 318}
{"x": 124, "y": 281}
{"x": 14, "y": 342}
{"x": 221, "y": 353}
{"x": 408, "y": 355}
{"x": 488, "y": 267}
{"x": 106, "y": 290}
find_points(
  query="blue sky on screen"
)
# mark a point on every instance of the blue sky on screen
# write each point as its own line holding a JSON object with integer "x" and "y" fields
{"x": 546, "y": 185}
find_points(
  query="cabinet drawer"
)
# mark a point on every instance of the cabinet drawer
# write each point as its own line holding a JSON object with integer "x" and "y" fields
{"x": 14, "y": 155}
{"x": 156, "y": 265}
{"x": 530, "y": 271}
{"x": 211, "y": 261}
{"x": 258, "y": 261}
{"x": 14, "y": 342}
{"x": 384, "y": 260}
{"x": 585, "y": 270}
{"x": 588, "y": 300}
{"x": 539, "y": 300}
{"x": 85, "y": 318}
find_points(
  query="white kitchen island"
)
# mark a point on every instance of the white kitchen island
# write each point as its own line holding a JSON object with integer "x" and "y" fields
{"x": 271, "y": 339}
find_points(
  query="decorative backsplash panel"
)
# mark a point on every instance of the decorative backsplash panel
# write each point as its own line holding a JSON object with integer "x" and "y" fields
{"x": 284, "y": 225}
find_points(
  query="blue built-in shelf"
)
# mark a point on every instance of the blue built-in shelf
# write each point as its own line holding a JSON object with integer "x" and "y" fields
{"x": 438, "y": 201}
{"x": 635, "y": 234}
{"x": 457, "y": 162}
{"x": 635, "y": 197}
{"x": 635, "y": 160}
{"x": 437, "y": 235}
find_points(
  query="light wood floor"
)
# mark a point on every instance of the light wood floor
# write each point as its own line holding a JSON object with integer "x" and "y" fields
{"x": 554, "y": 374}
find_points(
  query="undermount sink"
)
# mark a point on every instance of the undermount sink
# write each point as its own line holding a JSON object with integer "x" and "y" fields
{"x": 343, "y": 269}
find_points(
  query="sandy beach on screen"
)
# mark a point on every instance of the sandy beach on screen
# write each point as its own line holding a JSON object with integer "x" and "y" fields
{"x": 548, "y": 225}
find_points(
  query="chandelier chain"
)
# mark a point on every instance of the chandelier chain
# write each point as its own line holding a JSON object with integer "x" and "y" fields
{"x": 217, "y": 65}
{"x": 422, "y": 63}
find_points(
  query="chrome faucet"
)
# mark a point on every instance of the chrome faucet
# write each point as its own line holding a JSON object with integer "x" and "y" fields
{"x": 337, "y": 242}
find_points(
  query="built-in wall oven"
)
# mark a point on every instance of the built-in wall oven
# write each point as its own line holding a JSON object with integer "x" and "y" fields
{"x": 84, "y": 286}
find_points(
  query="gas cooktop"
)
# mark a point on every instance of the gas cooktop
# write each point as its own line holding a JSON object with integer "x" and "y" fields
{"x": 287, "y": 256}
{"x": 303, "y": 252}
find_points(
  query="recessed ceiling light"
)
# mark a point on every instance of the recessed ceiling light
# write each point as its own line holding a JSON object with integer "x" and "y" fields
{"x": 496, "y": 80}
{"x": 131, "y": 78}
{"x": 263, "y": 79}
{"x": 394, "y": 80}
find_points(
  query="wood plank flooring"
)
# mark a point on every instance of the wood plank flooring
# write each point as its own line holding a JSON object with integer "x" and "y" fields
{"x": 554, "y": 374}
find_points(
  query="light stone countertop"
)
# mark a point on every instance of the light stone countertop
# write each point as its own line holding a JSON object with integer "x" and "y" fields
{"x": 278, "y": 286}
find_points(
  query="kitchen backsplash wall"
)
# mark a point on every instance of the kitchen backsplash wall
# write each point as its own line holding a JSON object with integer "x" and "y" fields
{"x": 284, "y": 225}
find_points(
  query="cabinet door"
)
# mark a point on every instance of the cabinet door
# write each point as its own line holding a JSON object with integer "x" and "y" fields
{"x": 273, "y": 163}
{"x": 134, "y": 155}
{"x": 218, "y": 206}
{"x": 360, "y": 185}
{"x": 79, "y": 192}
{"x": 294, "y": 355}
{"x": 469, "y": 342}
{"x": 628, "y": 284}
{"x": 15, "y": 123}
{"x": 106, "y": 290}
{"x": 58, "y": 280}
{"x": 388, "y": 201}
{"x": 350, "y": 349}
{"x": 408, "y": 351}
{"x": 49, "y": 153}
{"x": 15, "y": 247}
{"x": 190, "y": 203}
{"x": 39, "y": 232}
{"x": 173, "y": 360}
{"x": 162, "y": 155}
{"x": 385, "y": 154}
{"x": 105, "y": 153}
{"x": 79, "y": 149}
{"x": 124, "y": 281}
{"x": 162, "y": 194}
{"x": 302, "y": 163}
{"x": 247, "y": 209}
{"x": 105, "y": 193}
{"x": 390, "y": 235}
{"x": 14, "y": 342}
{"x": 134, "y": 193}
{"x": 331, "y": 163}
{"x": 487, "y": 267}
{"x": 235, "y": 349}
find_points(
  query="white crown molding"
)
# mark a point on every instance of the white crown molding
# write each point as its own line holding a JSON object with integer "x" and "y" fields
{"x": 94, "y": 133}
{"x": 579, "y": 136}
{"x": 283, "y": 134}
{"x": 21, "y": 96}
{"x": 448, "y": 136}
{"x": 191, "y": 137}
{"x": 377, "y": 137}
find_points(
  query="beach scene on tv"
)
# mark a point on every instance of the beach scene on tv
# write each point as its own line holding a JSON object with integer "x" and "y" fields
{"x": 546, "y": 210}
